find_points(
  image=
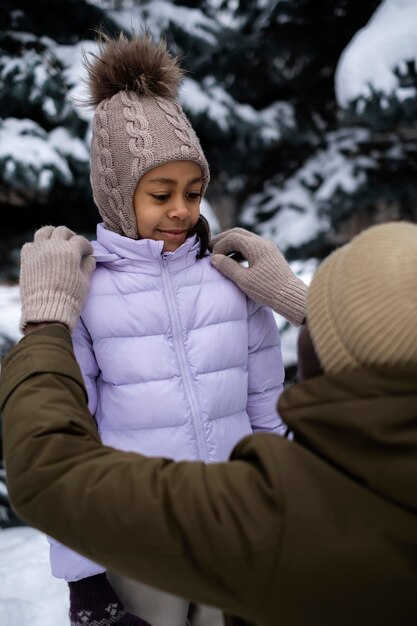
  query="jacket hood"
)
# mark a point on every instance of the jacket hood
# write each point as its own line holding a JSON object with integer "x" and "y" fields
{"x": 365, "y": 423}
{"x": 119, "y": 252}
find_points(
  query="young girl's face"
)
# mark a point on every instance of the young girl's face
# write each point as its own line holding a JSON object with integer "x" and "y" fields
{"x": 167, "y": 202}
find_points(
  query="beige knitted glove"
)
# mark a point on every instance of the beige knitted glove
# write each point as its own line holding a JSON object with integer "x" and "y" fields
{"x": 268, "y": 279}
{"x": 55, "y": 274}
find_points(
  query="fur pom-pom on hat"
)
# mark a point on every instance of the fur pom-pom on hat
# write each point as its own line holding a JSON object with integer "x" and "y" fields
{"x": 138, "y": 65}
{"x": 138, "y": 123}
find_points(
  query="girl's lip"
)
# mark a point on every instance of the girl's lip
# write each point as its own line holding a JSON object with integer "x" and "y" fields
{"x": 173, "y": 234}
{"x": 177, "y": 231}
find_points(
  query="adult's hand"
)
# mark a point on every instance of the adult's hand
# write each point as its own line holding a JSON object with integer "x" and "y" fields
{"x": 55, "y": 272}
{"x": 269, "y": 279}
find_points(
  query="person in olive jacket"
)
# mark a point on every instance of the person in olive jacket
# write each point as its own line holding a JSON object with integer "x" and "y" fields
{"x": 316, "y": 529}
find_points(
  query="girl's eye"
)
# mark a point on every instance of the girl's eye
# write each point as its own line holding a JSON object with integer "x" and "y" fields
{"x": 161, "y": 197}
{"x": 194, "y": 195}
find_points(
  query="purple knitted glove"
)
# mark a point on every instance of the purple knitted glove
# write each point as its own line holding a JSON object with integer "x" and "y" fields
{"x": 93, "y": 601}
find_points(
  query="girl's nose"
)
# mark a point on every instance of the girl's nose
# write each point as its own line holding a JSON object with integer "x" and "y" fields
{"x": 179, "y": 209}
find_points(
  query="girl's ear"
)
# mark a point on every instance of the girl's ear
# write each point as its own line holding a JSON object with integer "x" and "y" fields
{"x": 202, "y": 230}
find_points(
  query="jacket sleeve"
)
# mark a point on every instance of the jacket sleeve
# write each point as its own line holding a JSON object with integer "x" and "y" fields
{"x": 187, "y": 528}
{"x": 84, "y": 353}
{"x": 265, "y": 370}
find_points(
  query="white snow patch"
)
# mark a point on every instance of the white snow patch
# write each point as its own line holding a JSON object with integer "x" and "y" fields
{"x": 295, "y": 204}
{"x": 29, "y": 594}
{"x": 207, "y": 211}
{"x": 68, "y": 145}
{"x": 294, "y": 228}
{"x": 368, "y": 62}
{"x": 212, "y": 100}
{"x": 10, "y": 314}
{"x": 159, "y": 15}
{"x": 76, "y": 75}
{"x": 26, "y": 143}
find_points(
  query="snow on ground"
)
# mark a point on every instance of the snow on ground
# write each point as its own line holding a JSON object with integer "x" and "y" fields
{"x": 29, "y": 594}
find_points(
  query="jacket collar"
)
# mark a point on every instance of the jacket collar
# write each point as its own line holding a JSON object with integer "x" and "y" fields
{"x": 143, "y": 255}
{"x": 363, "y": 422}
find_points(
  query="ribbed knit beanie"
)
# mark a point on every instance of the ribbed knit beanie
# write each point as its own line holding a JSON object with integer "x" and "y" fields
{"x": 138, "y": 123}
{"x": 362, "y": 301}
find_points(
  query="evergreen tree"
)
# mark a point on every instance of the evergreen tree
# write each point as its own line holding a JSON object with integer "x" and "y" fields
{"x": 260, "y": 93}
{"x": 347, "y": 168}
{"x": 44, "y": 168}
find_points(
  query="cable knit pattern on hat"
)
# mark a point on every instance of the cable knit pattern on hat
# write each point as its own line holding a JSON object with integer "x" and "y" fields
{"x": 108, "y": 178}
{"x": 141, "y": 143}
{"x": 362, "y": 302}
{"x": 183, "y": 129}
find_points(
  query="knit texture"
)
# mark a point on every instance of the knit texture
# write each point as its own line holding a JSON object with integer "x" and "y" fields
{"x": 135, "y": 131}
{"x": 93, "y": 602}
{"x": 362, "y": 302}
{"x": 268, "y": 279}
{"x": 55, "y": 272}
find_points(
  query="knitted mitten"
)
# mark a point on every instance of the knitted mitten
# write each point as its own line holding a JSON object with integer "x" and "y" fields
{"x": 55, "y": 273}
{"x": 268, "y": 279}
{"x": 93, "y": 602}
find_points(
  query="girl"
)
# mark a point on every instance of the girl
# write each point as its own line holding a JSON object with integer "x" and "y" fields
{"x": 177, "y": 361}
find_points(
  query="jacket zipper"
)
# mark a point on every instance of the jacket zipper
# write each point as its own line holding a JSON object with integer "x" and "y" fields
{"x": 186, "y": 375}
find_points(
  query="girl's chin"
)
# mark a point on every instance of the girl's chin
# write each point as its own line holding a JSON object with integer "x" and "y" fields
{"x": 171, "y": 246}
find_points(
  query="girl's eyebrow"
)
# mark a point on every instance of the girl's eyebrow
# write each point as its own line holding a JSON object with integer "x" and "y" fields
{"x": 172, "y": 181}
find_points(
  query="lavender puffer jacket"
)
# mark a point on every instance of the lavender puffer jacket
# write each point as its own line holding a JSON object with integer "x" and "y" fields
{"x": 177, "y": 361}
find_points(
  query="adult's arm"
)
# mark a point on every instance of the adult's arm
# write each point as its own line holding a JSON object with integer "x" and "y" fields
{"x": 207, "y": 532}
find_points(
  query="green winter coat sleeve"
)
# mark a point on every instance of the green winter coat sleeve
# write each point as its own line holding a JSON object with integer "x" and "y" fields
{"x": 206, "y": 532}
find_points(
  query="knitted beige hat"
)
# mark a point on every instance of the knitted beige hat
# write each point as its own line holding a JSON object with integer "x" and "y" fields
{"x": 362, "y": 302}
{"x": 138, "y": 123}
